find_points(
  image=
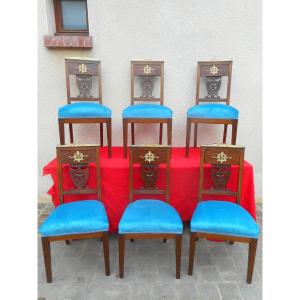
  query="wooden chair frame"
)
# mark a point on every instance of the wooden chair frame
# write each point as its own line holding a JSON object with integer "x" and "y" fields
{"x": 224, "y": 68}
{"x": 235, "y": 156}
{"x": 93, "y": 68}
{"x": 163, "y": 156}
{"x": 137, "y": 68}
{"x": 63, "y": 157}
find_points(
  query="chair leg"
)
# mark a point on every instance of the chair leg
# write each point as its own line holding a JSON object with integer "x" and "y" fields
{"x": 106, "y": 253}
{"x": 178, "y": 255}
{"x": 188, "y": 136}
{"x": 131, "y": 240}
{"x": 192, "y": 252}
{"x": 160, "y": 133}
{"x": 61, "y": 127}
{"x": 132, "y": 134}
{"x": 71, "y": 133}
{"x": 121, "y": 255}
{"x": 169, "y": 131}
{"x": 195, "y": 135}
{"x": 47, "y": 258}
{"x": 101, "y": 134}
{"x": 231, "y": 242}
{"x": 164, "y": 240}
{"x": 125, "y": 137}
{"x": 108, "y": 132}
{"x": 251, "y": 259}
{"x": 225, "y": 133}
{"x": 234, "y": 132}
{"x": 68, "y": 242}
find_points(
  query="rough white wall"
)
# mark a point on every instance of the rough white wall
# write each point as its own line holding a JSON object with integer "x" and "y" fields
{"x": 178, "y": 32}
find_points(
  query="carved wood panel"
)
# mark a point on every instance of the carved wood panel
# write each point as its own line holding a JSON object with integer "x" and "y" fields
{"x": 79, "y": 174}
{"x": 149, "y": 174}
{"x": 220, "y": 175}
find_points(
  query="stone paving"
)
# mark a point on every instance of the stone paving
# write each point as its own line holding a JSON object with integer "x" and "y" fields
{"x": 219, "y": 270}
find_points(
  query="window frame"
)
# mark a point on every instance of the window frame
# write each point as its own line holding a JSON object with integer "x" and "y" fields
{"x": 59, "y": 21}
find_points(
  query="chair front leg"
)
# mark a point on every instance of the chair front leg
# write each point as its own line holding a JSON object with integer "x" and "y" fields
{"x": 188, "y": 136}
{"x": 71, "y": 133}
{"x": 106, "y": 252}
{"x": 195, "y": 135}
{"x": 125, "y": 137}
{"x": 169, "y": 131}
{"x": 192, "y": 252}
{"x": 160, "y": 133}
{"x": 132, "y": 134}
{"x": 108, "y": 132}
{"x": 121, "y": 255}
{"x": 251, "y": 259}
{"x": 101, "y": 134}
{"x": 61, "y": 127}
{"x": 234, "y": 132}
{"x": 225, "y": 133}
{"x": 47, "y": 258}
{"x": 178, "y": 255}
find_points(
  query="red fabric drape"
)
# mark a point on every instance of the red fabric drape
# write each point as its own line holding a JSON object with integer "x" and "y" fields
{"x": 183, "y": 190}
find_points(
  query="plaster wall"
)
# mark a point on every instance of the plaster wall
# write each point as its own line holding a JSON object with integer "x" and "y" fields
{"x": 178, "y": 32}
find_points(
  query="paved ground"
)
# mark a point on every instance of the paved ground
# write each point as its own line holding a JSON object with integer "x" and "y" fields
{"x": 219, "y": 270}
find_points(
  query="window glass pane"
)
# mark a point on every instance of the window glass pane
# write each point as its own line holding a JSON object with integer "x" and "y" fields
{"x": 74, "y": 14}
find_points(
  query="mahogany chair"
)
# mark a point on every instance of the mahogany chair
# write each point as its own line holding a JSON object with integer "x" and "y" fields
{"x": 150, "y": 218}
{"x": 84, "y": 219}
{"x": 83, "y": 79}
{"x": 209, "y": 108}
{"x": 146, "y": 73}
{"x": 223, "y": 220}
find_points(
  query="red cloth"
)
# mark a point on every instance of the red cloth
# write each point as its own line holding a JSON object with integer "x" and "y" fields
{"x": 183, "y": 190}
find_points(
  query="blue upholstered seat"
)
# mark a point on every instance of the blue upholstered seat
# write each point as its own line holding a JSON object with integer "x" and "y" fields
{"x": 84, "y": 110}
{"x": 150, "y": 216}
{"x": 151, "y": 111}
{"x": 86, "y": 216}
{"x": 221, "y": 217}
{"x": 213, "y": 111}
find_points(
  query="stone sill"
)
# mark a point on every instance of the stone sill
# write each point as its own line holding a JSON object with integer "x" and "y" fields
{"x": 68, "y": 41}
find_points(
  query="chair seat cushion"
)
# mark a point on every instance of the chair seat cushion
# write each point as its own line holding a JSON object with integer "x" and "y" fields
{"x": 151, "y": 111}
{"x": 213, "y": 111}
{"x": 84, "y": 110}
{"x": 221, "y": 217}
{"x": 150, "y": 216}
{"x": 86, "y": 216}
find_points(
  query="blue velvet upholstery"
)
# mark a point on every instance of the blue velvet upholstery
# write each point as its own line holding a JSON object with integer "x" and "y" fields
{"x": 150, "y": 216}
{"x": 151, "y": 111}
{"x": 213, "y": 111}
{"x": 84, "y": 110}
{"x": 85, "y": 216}
{"x": 221, "y": 217}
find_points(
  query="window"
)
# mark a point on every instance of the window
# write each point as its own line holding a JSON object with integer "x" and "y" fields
{"x": 71, "y": 17}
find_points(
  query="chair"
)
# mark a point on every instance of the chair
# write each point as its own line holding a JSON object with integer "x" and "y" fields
{"x": 222, "y": 220}
{"x": 83, "y": 79}
{"x": 145, "y": 73}
{"x": 149, "y": 218}
{"x": 211, "y": 74}
{"x": 85, "y": 219}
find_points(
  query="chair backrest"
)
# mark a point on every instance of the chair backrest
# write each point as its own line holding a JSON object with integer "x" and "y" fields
{"x": 144, "y": 73}
{"x": 211, "y": 74}
{"x": 78, "y": 158}
{"x": 149, "y": 157}
{"x": 83, "y": 79}
{"x": 221, "y": 157}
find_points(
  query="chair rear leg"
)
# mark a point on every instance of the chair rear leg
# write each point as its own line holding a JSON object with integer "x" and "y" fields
{"x": 47, "y": 258}
{"x": 121, "y": 255}
{"x": 234, "y": 132}
{"x": 251, "y": 259}
{"x": 108, "y": 132}
{"x": 125, "y": 137}
{"x": 169, "y": 131}
{"x": 132, "y": 134}
{"x": 106, "y": 253}
{"x": 178, "y": 255}
{"x": 61, "y": 127}
{"x": 192, "y": 252}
